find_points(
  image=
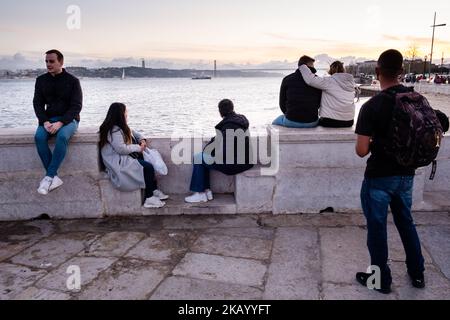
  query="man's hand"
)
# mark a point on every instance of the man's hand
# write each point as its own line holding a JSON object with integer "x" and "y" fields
{"x": 143, "y": 142}
{"x": 142, "y": 146}
{"x": 48, "y": 126}
{"x": 56, "y": 126}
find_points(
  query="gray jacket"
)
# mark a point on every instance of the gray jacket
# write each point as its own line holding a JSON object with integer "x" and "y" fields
{"x": 125, "y": 172}
{"x": 338, "y": 94}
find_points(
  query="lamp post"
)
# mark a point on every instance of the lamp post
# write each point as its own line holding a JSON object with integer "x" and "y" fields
{"x": 425, "y": 67}
{"x": 432, "y": 39}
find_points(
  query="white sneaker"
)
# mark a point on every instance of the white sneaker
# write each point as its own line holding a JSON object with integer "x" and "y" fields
{"x": 44, "y": 186}
{"x": 196, "y": 198}
{"x": 153, "y": 202}
{"x": 209, "y": 194}
{"x": 159, "y": 194}
{"x": 56, "y": 183}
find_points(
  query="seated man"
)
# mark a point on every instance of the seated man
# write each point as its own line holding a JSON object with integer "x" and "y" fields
{"x": 298, "y": 101}
{"x": 57, "y": 103}
{"x": 228, "y": 152}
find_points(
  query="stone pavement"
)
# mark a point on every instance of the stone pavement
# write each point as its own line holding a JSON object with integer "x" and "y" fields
{"x": 313, "y": 256}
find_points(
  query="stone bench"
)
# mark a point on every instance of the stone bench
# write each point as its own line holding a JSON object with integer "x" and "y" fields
{"x": 87, "y": 191}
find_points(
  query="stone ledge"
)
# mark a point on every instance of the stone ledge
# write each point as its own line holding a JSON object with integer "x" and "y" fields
{"x": 19, "y": 136}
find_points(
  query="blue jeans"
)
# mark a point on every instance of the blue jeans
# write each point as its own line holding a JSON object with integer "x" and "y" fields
{"x": 376, "y": 195}
{"x": 52, "y": 162}
{"x": 200, "y": 173}
{"x": 285, "y": 122}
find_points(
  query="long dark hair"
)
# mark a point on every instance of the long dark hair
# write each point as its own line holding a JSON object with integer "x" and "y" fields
{"x": 115, "y": 117}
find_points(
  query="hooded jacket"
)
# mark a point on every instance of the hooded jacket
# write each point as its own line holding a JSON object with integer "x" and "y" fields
{"x": 338, "y": 94}
{"x": 230, "y": 124}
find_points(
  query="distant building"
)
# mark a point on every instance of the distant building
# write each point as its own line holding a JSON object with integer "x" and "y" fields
{"x": 143, "y": 64}
{"x": 366, "y": 67}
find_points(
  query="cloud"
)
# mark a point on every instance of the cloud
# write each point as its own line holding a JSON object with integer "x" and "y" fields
{"x": 18, "y": 61}
{"x": 324, "y": 60}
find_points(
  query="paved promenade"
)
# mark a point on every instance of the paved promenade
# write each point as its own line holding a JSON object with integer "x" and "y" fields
{"x": 312, "y": 256}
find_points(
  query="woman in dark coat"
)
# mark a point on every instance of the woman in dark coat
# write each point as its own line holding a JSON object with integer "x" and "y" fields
{"x": 221, "y": 155}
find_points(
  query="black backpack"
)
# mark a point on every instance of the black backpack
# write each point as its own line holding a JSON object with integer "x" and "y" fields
{"x": 415, "y": 132}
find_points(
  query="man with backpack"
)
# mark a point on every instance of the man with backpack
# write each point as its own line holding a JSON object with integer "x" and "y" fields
{"x": 402, "y": 132}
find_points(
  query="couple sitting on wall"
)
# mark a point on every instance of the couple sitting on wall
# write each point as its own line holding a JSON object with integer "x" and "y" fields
{"x": 303, "y": 93}
{"x": 58, "y": 102}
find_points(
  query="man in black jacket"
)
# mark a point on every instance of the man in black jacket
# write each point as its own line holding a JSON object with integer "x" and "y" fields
{"x": 228, "y": 152}
{"x": 298, "y": 101}
{"x": 57, "y": 103}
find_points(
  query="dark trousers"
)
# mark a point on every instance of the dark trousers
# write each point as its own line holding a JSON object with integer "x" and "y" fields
{"x": 149, "y": 177}
{"x": 376, "y": 195}
{"x": 332, "y": 123}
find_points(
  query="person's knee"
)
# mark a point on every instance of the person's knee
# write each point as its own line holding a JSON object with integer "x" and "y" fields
{"x": 40, "y": 137}
{"x": 148, "y": 167}
{"x": 61, "y": 138}
{"x": 375, "y": 220}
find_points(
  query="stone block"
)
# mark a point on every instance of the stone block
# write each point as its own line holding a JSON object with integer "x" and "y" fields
{"x": 33, "y": 293}
{"x": 125, "y": 280}
{"x": 179, "y": 288}
{"x": 51, "y": 252}
{"x": 14, "y": 279}
{"x": 78, "y": 197}
{"x": 80, "y": 158}
{"x": 344, "y": 254}
{"x": 89, "y": 267}
{"x": 436, "y": 240}
{"x": 233, "y": 247}
{"x": 175, "y": 205}
{"x": 114, "y": 244}
{"x": 437, "y": 286}
{"x": 320, "y": 155}
{"x": 120, "y": 203}
{"x": 254, "y": 193}
{"x": 294, "y": 272}
{"x": 222, "y": 269}
{"x": 163, "y": 247}
{"x": 255, "y": 233}
{"x": 307, "y": 190}
{"x": 341, "y": 291}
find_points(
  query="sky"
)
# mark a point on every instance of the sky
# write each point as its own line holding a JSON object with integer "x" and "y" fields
{"x": 234, "y": 32}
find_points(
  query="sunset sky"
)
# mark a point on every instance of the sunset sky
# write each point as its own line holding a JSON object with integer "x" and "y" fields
{"x": 233, "y": 31}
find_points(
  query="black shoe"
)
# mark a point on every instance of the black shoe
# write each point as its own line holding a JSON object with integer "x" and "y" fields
{"x": 362, "y": 278}
{"x": 418, "y": 282}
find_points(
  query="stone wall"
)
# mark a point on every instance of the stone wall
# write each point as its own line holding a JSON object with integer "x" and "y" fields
{"x": 318, "y": 168}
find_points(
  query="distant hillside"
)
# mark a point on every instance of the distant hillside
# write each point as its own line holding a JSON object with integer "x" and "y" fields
{"x": 135, "y": 72}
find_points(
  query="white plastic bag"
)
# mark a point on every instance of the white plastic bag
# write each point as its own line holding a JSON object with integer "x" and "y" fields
{"x": 154, "y": 157}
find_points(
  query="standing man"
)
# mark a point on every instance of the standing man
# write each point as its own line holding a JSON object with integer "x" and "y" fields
{"x": 299, "y": 102}
{"x": 57, "y": 103}
{"x": 386, "y": 182}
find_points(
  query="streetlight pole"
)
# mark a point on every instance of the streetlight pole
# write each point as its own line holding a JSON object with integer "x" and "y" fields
{"x": 432, "y": 40}
{"x": 425, "y": 68}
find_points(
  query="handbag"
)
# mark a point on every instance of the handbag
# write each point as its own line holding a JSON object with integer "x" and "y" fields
{"x": 154, "y": 157}
{"x": 136, "y": 155}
